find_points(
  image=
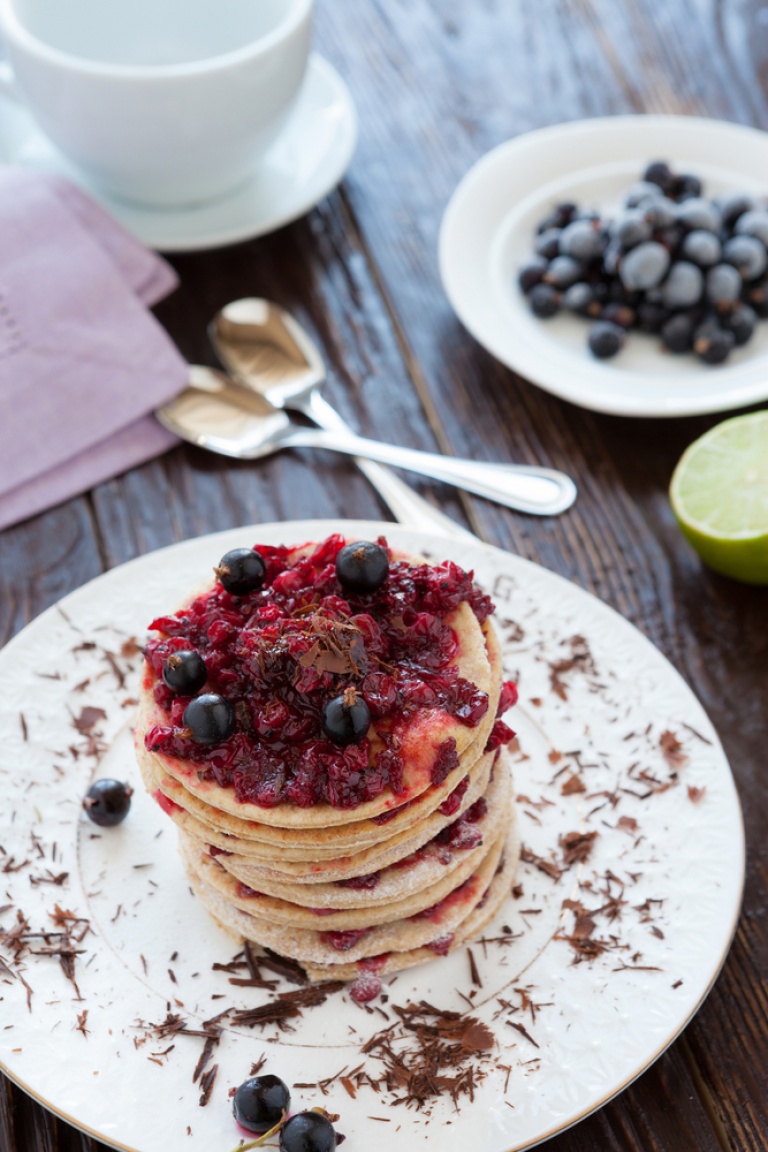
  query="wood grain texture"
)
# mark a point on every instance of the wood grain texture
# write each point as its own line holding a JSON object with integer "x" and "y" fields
{"x": 438, "y": 83}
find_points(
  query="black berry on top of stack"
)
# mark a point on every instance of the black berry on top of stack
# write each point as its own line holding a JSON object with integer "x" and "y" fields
{"x": 691, "y": 270}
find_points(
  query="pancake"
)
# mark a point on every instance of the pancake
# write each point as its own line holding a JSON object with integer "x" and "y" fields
{"x": 463, "y": 933}
{"x": 312, "y": 946}
{"x": 349, "y": 853}
{"x": 253, "y": 870}
{"x": 421, "y": 738}
{"x": 404, "y": 892}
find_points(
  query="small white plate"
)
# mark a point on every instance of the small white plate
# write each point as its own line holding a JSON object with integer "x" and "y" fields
{"x": 487, "y": 234}
{"x": 302, "y": 166}
{"x": 664, "y": 875}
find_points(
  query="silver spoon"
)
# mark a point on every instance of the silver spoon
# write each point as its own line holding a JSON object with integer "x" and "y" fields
{"x": 215, "y": 412}
{"x": 262, "y": 345}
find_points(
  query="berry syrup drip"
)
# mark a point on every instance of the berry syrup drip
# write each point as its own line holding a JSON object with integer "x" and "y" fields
{"x": 279, "y": 653}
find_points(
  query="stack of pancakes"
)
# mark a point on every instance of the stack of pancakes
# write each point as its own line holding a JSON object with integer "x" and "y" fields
{"x": 390, "y": 883}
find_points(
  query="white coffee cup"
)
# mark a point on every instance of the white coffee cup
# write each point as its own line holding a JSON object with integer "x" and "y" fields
{"x": 163, "y": 102}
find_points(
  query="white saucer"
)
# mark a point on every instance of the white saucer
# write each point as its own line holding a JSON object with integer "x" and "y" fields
{"x": 301, "y": 167}
{"x": 487, "y": 233}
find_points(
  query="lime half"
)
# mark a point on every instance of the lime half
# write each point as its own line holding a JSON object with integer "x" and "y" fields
{"x": 719, "y": 494}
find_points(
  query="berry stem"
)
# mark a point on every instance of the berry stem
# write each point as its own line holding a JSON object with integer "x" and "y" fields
{"x": 264, "y": 1136}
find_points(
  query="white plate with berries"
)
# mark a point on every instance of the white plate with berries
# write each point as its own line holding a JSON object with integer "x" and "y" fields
{"x": 654, "y": 326}
{"x": 129, "y": 1013}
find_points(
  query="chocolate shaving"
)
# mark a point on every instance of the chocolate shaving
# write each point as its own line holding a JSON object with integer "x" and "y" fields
{"x": 523, "y": 1032}
{"x": 580, "y": 660}
{"x": 206, "y": 1085}
{"x": 548, "y": 867}
{"x": 286, "y": 1007}
{"x": 672, "y": 750}
{"x": 571, "y": 785}
{"x": 576, "y": 847}
{"x": 695, "y": 795}
{"x": 88, "y": 719}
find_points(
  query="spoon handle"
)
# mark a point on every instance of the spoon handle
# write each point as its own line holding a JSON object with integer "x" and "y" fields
{"x": 539, "y": 491}
{"x": 405, "y": 505}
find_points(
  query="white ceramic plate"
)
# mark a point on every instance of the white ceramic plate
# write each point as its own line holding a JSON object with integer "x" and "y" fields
{"x": 302, "y": 166}
{"x": 675, "y": 859}
{"x": 487, "y": 234}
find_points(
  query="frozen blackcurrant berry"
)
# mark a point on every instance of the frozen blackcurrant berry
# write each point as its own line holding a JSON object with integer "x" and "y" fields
{"x": 346, "y": 718}
{"x": 210, "y": 718}
{"x": 580, "y": 298}
{"x": 241, "y": 571}
{"x": 259, "y": 1103}
{"x": 606, "y": 339}
{"x": 185, "y": 672}
{"x": 531, "y": 273}
{"x": 723, "y": 286}
{"x": 308, "y": 1132}
{"x": 644, "y": 267}
{"x": 562, "y": 272}
{"x": 683, "y": 286}
{"x": 702, "y": 248}
{"x": 659, "y": 172}
{"x": 754, "y": 223}
{"x": 583, "y": 240}
{"x": 107, "y": 802}
{"x": 741, "y": 321}
{"x": 547, "y": 244}
{"x": 748, "y": 256}
{"x": 712, "y": 344}
{"x": 544, "y": 301}
{"x": 687, "y": 186}
{"x": 677, "y": 332}
{"x": 362, "y": 567}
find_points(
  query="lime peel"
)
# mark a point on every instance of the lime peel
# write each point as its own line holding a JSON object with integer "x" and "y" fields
{"x": 719, "y": 495}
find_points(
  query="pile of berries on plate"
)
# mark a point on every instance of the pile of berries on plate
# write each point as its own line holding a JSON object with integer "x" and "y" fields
{"x": 691, "y": 270}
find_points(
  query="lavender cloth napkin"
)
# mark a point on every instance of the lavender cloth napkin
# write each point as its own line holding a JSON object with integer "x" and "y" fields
{"x": 83, "y": 363}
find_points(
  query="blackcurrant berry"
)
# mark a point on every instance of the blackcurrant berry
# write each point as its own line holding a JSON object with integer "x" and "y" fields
{"x": 107, "y": 802}
{"x": 185, "y": 672}
{"x": 241, "y": 571}
{"x": 362, "y": 567}
{"x": 346, "y": 718}
{"x": 210, "y": 718}
{"x": 544, "y": 301}
{"x": 308, "y": 1132}
{"x": 259, "y": 1103}
{"x": 606, "y": 339}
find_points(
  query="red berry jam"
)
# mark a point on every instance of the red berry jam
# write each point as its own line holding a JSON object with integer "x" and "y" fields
{"x": 343, "y": 941}
{"x": 279, "y": 653}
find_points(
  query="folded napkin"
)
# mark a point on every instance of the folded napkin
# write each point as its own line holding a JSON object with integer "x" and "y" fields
{"x": 83, "y": 363}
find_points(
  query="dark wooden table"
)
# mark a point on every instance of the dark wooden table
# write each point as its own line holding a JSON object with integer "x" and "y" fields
{"x": 438, "y": 83}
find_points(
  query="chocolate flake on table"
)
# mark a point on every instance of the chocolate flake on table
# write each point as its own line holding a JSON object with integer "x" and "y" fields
{"x": 24, "y": 729}
{"x": 82, "y": 1019}
{"x": 695, "y": 795}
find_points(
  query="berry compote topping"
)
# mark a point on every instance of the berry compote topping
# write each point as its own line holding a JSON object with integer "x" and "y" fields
{"x": 279, "y": 654}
